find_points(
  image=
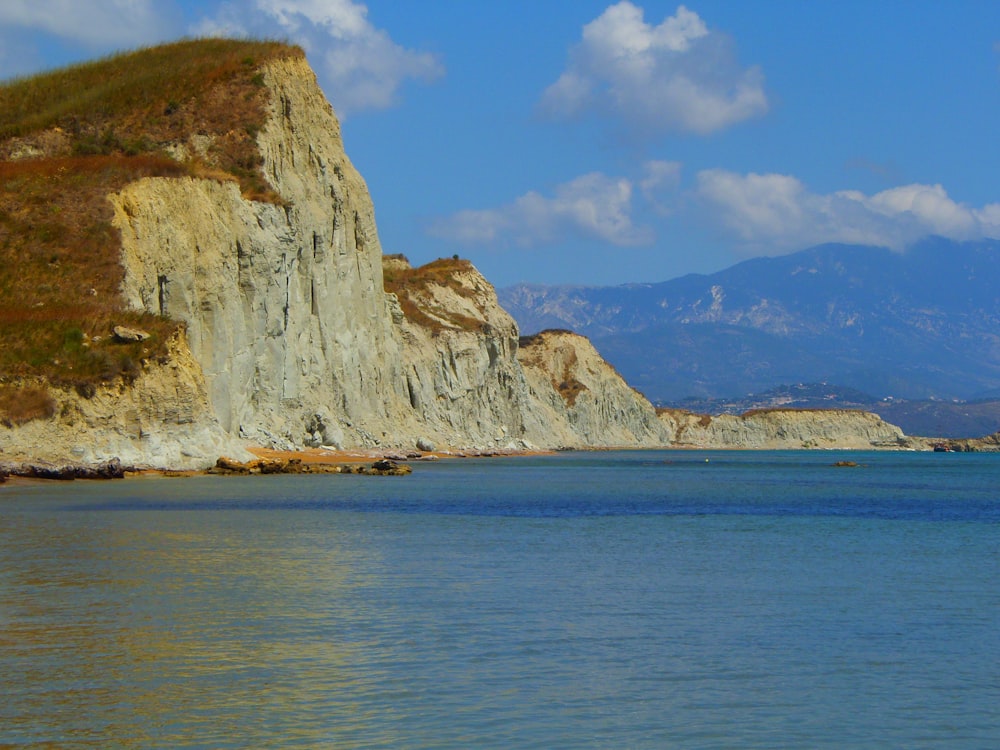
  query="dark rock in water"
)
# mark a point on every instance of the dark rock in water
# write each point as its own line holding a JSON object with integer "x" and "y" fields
{"x": 230, "y": 467}
{"x": 112, "y": 469}
{"x": 386, "y": 467}
{"x": 845, "y": 463}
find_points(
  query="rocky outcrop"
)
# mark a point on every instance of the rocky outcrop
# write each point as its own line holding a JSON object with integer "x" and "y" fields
{"x": 382, "y": 467}
{"x": 283, "y": 303}
{"x": 162, "y": 419}
{"x": 470, "y": 380}
{"x": 290, "y": 339}
{"x": 298, "y": 342}
{"x": 578, "y": 394}
{"x": 986, "y": 444}
{"x": 782, "y": 429}
{"x": 111, "y": 469}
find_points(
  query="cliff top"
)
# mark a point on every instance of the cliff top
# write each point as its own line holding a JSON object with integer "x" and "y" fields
{"x": 420, "y": 291}
{"x": 69, "y": 138}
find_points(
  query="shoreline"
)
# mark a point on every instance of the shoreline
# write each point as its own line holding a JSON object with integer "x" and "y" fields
{"x": 267, "y": 461}
{"x": 375, "y": 461}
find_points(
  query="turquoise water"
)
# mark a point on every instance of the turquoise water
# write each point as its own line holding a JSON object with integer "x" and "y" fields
{"x": 606, "y": 600}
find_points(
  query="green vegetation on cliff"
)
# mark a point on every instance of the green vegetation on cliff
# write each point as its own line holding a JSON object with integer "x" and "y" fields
{"x": 68, "y": 139}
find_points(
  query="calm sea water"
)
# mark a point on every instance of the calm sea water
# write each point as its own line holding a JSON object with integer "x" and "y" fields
{"x": 609, "y": 600}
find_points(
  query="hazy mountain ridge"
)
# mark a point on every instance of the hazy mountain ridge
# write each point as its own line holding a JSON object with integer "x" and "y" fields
{"x": 918, "y": 324}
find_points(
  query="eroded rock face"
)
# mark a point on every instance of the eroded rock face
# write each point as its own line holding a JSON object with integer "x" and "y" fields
{"x": 463, "y": 384}
{"x": 283, "y": 304}
{"x": 575, "y": 389}
{"x": 163, "y": 419}
{"x": 291, "y": 339}
{"x": 783, "y": 429}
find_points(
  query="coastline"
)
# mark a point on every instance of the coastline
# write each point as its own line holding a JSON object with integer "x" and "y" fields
{"x": 383, "y": 461}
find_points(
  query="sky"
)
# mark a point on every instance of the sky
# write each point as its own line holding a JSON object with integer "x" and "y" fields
{"x": 598, "y": 143}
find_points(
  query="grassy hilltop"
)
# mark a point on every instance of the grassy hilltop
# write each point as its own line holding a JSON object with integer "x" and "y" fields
{"x": 68, "y": 139}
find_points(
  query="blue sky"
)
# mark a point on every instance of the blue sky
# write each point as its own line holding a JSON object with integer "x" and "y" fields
{"x": 571, "y": 141}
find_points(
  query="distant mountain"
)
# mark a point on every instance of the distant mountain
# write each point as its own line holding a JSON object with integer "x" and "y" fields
{"x": 922, "y": 324}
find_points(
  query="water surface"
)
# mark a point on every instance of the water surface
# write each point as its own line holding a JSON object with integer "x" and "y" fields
{"x": 604, "y": 600}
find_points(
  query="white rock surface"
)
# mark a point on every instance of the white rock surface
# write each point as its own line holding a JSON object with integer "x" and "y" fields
{"x": 783, "y": 429}
{"x": 291, "y": 340}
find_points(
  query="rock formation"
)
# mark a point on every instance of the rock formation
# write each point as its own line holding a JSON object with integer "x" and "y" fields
{"x": 579, "y": 395}
{"x": 783, "y": 429}
{"x": 290, "y": 338}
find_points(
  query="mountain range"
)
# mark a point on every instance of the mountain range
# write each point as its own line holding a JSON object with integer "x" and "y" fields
{"x": 922, "y": 324}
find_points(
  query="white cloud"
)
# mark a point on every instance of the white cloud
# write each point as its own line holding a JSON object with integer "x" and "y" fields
{"x": 359, "y": 65}
{"x": 660, "y": 182}
{"x": 775, "y": 213}
{"x": 676, "y": 76}
{"x": 94, "y": 23}
{"x": 594, "y": 205}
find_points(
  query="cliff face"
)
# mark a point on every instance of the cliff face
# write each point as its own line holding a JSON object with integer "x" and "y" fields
{"x": 283, "y": 304}
{"x": 575, "y": 389}
{"x": 462, "y": 381}
{"x": 291, "y": 339}
{"x": 783, "y": 429}
{"x": 470, "y": 379}
{"x": 163, "y": 419}
{"x": 298, "y": 342}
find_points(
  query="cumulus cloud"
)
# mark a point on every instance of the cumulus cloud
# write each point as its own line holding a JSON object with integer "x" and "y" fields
{"x": 676, "y": 76}
{"x": 776, "y": 212}
{"x": 594, "y": 205}
{"x": 95, "y": 23}
{"x": 358, "y": 64}
{"x": 660, "y": 182}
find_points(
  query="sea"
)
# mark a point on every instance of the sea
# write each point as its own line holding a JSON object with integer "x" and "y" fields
{"x": 640, "y": 599}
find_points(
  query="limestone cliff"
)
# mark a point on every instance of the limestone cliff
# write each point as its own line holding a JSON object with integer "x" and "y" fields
{"x": 283, "y": 303}
{"x": 782, "y": 429}
{"x": 471, "y": 380}
{"x": 298, "y": 342}
{"x": 162, "y": 419}
{"x": 576, "y": 391}
{"x": 463, "y": 384}
{"x": 290, "y": 338}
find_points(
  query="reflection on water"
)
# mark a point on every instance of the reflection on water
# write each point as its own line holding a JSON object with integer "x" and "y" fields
{"x": 301, "y": 612}
{"x": 198, "y": 634}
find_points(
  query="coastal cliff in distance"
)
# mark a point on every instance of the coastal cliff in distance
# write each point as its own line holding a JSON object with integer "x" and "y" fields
{"x": 784, "y": 429}
{"x": 246, "y": 301}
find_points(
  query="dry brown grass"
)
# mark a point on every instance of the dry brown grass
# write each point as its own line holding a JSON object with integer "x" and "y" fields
{"x": 60, "y": 274}
{"x": 138, "y": 102}
{"x": 538, "y": 338}
{"x": 19, "y": 405}
{"x": 90, "y": 130}
{"x": 794, "y": 409}
{"x": 411, "y": 286}
{"x": 568, "y": 386}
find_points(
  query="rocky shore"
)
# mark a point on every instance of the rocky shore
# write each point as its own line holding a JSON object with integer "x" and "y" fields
{"x": 382, "y": 467}
{"x": 114, "y": 469}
